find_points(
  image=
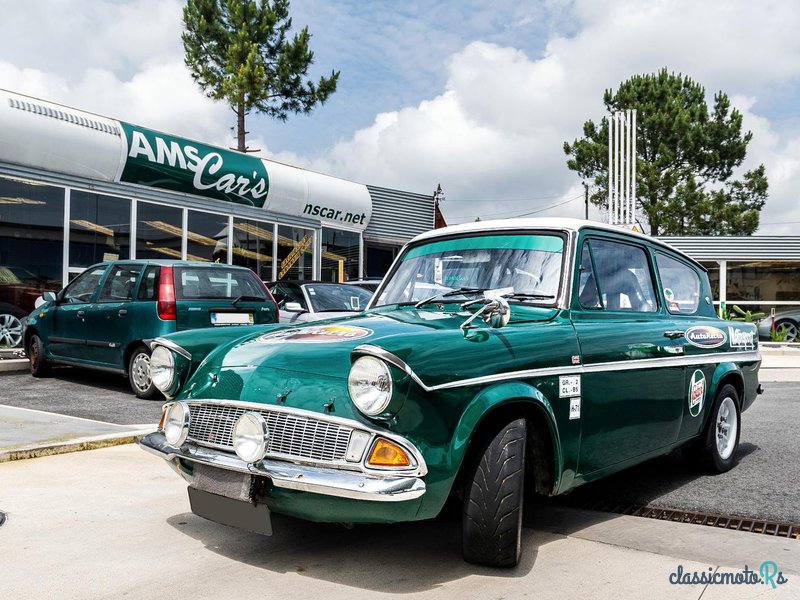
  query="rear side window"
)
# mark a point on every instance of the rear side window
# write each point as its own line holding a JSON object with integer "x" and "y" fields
{"x": 681, "y": 285}
{"x": 217, "y": 283}
{"x": 148, "y": 289}
{"x": 119, "y": 284}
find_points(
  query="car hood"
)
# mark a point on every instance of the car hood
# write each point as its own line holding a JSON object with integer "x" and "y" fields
{"x": 431, "y": 342}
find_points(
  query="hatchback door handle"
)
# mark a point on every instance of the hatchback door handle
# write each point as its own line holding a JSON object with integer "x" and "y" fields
{"x": 674, "y": 335}
{"x": 81, "y": 314}
{"x": 122, "y": 312}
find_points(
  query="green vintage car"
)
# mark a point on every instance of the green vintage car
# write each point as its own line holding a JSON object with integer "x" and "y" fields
{"x": 497, "y": 360}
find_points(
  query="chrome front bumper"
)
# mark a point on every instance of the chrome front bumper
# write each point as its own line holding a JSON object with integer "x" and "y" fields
{"x": 304, "y": 478}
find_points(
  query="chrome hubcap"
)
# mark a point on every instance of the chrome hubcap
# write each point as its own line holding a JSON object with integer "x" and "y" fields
{"x": 10, "y": 331}
{"x": 727, "y": 426}
{"x": 788, "y": 330}
{"x": 140, "y": 372}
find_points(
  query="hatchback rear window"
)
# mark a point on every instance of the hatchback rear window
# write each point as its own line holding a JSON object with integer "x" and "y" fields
{"x": 216, "y": 283}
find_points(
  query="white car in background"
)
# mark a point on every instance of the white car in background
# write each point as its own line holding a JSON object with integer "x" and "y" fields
{"x": 305, "y": 301}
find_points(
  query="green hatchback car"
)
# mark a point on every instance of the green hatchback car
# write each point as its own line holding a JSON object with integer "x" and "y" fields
{"x": 497, "y": 360}
{"x": 106, "y": 317}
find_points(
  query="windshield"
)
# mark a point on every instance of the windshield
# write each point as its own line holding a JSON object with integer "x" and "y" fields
{"x": 329, "y": 297}
{"x": 525, "y": 265}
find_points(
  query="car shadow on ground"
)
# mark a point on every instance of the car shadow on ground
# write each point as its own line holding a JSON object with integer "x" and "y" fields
{"x": 111, "y": 382}
{"x": 642, "y": 484}
{"x": 402, "y": 557}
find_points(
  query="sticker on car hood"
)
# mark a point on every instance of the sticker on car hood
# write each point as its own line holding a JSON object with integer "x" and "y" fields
{"x": 705, "y": 336}
{"x": 316, "y": 335}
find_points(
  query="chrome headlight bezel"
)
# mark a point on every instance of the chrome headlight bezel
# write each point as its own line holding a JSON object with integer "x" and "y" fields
{"x": 162, "y": 369}
{"x": 177, "y": 419}
{"x": 370, "y": 385}
{"x": 250, "y": 437}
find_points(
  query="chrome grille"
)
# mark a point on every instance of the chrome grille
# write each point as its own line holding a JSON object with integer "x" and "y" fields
{"x": 289, "y": 434}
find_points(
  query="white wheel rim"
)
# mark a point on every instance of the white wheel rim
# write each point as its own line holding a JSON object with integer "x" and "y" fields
{"x": 10, "y": 331}
{"x": 727, "y": 428}
{"x": 140, "y": 372}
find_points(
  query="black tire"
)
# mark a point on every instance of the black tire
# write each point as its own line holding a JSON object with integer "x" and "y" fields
{"x": 724, "y": 411}
{"x": 139, "y": 374}
{"x": 39, "y": 365}
{"x": 492, "y": 515}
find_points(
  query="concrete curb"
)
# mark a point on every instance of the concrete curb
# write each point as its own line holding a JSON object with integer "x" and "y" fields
{"x": 13, "y": 364}
{"x": 76, "y": 445}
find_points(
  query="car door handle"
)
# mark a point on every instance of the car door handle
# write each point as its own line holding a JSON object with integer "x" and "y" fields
{"x": 81, "y": 314}
{"x": 122, "y": 312}
{"x": 674, "y": 335}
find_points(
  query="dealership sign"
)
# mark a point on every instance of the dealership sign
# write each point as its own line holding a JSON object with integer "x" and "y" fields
{"x": 159, "y": 160}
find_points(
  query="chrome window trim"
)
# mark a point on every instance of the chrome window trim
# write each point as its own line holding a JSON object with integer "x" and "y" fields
{"x": 419, "y": 468}
{"x": 622, "y": 365}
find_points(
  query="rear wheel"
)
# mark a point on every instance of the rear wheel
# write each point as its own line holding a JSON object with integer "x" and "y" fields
{"x": 10, "y": 330}
{"x": 139, "y": 373}
{"x": 787, "y": 329}
{"x": 718, "y": 454}
{"x": 38, "y": 363}
{"x": 492, "y": 515}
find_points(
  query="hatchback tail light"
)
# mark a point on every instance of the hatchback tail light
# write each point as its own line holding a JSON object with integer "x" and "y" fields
{"x": 272, "y": 299}
{"x": 167, "y": 309}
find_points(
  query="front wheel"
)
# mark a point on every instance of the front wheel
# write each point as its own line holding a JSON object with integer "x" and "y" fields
{"x": 787, "y": 329}
{"x": 492, "y": 515}
{"x": 718, "y": 454}
{"x": 139, "y": 373}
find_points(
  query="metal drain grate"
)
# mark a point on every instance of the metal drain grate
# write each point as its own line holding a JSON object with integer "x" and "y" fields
{"x": 762, "y": 526}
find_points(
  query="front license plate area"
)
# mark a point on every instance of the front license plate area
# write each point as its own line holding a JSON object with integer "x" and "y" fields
{"x": 231, "y": 318}
{"x": 232, "y": 484}
{"x": 227, "y": 511}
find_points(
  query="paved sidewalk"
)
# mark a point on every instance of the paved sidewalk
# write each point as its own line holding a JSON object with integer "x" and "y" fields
{"x": 121, "y": 527}
{"x": 26, "y": 433}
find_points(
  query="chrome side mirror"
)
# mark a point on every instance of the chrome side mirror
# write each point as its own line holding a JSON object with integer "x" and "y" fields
{"x": 495, "y": 312}
{"x": 293, "y": 307}
{"x": 45, "y": 297}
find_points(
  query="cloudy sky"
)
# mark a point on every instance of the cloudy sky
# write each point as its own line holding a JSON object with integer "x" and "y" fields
{"x": 479, "y": 96}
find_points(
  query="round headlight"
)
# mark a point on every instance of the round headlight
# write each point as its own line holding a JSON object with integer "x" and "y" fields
{"x": 176, "y": 424}
{"x": 250, "y": 436}
{"x": 162, "y": 368}
{"x": 370, "y": 385}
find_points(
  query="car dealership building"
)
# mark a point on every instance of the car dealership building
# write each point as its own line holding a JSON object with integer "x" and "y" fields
{"x": 78, "y": 189}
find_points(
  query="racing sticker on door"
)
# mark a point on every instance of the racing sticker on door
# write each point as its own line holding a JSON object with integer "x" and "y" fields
{"x": 697, "y": 392}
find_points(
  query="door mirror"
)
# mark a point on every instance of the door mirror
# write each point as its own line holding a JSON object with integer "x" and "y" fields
{"x": 293, "y": 307}
{"x": 45, "y": 297}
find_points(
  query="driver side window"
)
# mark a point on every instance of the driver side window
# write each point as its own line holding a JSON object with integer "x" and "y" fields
{"x": 81, "y": 290}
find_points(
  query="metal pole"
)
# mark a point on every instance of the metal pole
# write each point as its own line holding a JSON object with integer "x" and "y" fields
{"x": 633, "y": 166}
{"x": 618, "y": 168}
{"x": 628, "y": 216}
{"x": 610, "y": 165}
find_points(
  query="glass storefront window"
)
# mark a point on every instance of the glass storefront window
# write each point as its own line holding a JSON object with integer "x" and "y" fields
{"x": 31, "y": 249}
{"x": 762, "y": 280}
{"x": 340, "y": 255}
{"x": 295, "y": 253}
{"x": 99, "y": 228}
{"x": 159, "y": 230}
{"x": 252, "y": 246}
{"x": 207, "y": 237}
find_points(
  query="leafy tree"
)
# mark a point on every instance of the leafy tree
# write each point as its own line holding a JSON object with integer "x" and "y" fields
{"x": 238, "y": 51}
{"x": 685, "y": 159}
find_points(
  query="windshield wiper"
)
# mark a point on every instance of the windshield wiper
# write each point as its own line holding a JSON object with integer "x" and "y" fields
{"x": 529, "y": 296}
{"x": 250, "y": 298}
{"x": 455, "y": 292}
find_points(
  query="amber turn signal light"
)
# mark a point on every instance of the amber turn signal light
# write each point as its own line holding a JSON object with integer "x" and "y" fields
{"x": 388, "y": 454}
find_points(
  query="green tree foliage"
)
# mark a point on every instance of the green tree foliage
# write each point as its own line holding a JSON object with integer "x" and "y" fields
{"x": 239, "y": 51}
{"x": 686, "y": 157}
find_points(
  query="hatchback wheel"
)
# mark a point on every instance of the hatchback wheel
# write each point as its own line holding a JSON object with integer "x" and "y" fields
{"x": 10, "y": 330}
{"x": 492, "y": 516}
{"x": 38, "y": 363}
{"x": 139, "y": 373}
